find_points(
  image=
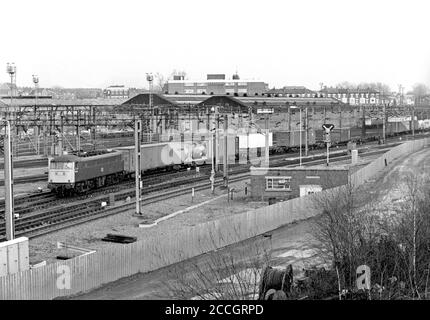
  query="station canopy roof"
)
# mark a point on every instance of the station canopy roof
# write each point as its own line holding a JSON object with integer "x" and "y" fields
{"x": 277, "y": 103}
{"x": 166, "y": 99}
{"x": 227, "y": 102}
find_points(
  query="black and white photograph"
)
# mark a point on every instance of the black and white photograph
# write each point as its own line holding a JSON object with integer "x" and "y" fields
{"x": 214, "y": 155}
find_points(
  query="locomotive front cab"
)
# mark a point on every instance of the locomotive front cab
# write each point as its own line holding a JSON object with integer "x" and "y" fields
{"x": 61, "y": 172}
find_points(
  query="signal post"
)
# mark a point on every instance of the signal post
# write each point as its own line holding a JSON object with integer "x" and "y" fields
{"x": 328, "y": 128}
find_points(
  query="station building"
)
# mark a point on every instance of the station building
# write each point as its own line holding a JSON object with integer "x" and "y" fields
{"x": 282, "y": 183}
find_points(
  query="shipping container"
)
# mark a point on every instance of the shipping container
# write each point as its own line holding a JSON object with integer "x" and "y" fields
{"x": 254, "y": 140}
{"x": 168, "y": 154}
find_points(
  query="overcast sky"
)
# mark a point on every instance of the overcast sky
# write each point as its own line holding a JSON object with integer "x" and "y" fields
{"x": 98, "y": 43}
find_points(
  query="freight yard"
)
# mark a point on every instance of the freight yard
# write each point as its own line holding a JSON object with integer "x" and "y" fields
{"x": 194, "y": 166}
{"x": 210, "y": 156}
{"x": 76, "y": 180}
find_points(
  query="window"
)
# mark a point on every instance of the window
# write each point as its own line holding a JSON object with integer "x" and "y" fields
{"x": 61, "y": 165}
{"x": 278, "y": 183}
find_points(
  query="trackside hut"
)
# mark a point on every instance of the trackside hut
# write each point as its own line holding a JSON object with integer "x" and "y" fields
{"x": 282, "y": 183}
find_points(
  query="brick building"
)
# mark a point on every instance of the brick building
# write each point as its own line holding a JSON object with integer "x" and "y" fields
{"x": 281, "y": 183}
{"x": 215, "y": 84}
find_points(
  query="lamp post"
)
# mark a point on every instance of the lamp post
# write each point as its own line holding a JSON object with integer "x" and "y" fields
{"x": 36, "y": 86}
{"x": 11, "y": 70}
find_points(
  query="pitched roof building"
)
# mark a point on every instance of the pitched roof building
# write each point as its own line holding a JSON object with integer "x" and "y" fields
{"x": 358, "y": 96}
{"x": 292, "y": 92}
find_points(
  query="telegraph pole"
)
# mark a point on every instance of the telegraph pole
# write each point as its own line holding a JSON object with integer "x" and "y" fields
{"x": 213, "y": 136}
{"x": 384, "y": 119}
{"x": 60, "y": 137}
{"x": 78, "y": 139}
{"x": 8, "y": 183}
{"x": 225, "y": 157}
{"x": 150, "y": 79}
{"x": 248, "y": 160}
{"x": 137, "y": 156}
{"x": 216, "y": 140}
{"x": 266, "y": 151}
{"x": 363, "y": 123}
{"x": 300, "y": 136}
{"x": 306, "y": 131}
{"x": 340, "y": 123}
{"x": 36, "y": 127}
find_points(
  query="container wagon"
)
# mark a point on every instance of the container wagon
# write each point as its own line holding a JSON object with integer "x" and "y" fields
{"x": 167, "y": 155}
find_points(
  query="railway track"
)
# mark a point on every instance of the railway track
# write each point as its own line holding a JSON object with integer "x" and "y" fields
{"x": 24, "y": 205}
{"x": 152, "y": 181}
{"x": 33, "y": 163}
{"x": 33, "y": 224}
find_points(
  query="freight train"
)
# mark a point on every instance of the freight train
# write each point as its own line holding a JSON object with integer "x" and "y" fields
{"x": 69, "y": 174}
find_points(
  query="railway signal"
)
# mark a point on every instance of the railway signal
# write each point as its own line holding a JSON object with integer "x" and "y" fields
{"x": 327, "y": 129}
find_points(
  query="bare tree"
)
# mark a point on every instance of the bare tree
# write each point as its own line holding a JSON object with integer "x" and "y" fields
{"x": 420, "y": 90}
{"x": 160, "y": 81}
{"x": 178, "y": 73}
{"x": 346, "y": 85}
{"x": 394, "y": 244}
{"x": 220, "y": 274}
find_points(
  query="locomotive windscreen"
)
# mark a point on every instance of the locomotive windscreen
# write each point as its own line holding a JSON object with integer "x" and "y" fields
{"x": 61, "y": 165}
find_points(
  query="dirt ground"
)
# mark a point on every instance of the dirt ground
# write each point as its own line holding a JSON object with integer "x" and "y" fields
{"x": 89, "y": 235}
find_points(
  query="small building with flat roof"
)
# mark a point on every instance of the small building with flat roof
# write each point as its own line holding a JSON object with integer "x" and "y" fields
{"x": 284, "y": 183}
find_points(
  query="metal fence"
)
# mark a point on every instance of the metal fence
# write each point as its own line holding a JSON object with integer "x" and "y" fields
{"x": 87, "y": 272}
